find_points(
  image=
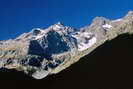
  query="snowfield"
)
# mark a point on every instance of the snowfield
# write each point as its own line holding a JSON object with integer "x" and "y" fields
{"x": 84, "y": 46}
{"x": 88, "y": 40}
{"x": 107, "y": 26}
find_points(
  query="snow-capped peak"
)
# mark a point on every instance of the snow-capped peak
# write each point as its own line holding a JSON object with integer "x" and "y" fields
{"x": 57, "y": 26}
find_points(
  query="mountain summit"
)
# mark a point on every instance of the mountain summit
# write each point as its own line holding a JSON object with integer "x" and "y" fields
{"x": 43, "y": 52}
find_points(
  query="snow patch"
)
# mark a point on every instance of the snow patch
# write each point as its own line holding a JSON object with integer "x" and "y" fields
{"x": 40, "y": 74}
{"x": 79, "y": 35}
{"x": 84, "y": 46}
{"x": 86, "y": 34}
{"x": 85, "y": 40}
{"x": 107, "y": 26}
{"x": 38, "y": 37}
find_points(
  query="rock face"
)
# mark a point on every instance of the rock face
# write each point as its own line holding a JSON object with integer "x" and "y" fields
{"x": 43, "y": 52}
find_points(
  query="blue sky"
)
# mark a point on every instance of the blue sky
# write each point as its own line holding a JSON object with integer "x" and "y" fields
{"x": 18, "y": 16}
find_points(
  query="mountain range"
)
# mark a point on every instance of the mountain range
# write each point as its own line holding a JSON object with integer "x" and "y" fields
{"x": 43, "y": 52}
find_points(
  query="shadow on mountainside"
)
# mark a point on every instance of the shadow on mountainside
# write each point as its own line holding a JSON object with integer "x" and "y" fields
{"x": 108, "y": 65}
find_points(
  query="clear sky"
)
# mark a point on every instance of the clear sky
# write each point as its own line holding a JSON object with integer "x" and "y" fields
{"x": 18, "y": 16}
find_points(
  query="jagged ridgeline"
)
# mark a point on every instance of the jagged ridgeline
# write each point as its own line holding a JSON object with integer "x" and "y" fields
{"x": 43, "y": 52}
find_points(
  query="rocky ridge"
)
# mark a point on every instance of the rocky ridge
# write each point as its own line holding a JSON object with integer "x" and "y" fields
{"x": 43, "y": 52}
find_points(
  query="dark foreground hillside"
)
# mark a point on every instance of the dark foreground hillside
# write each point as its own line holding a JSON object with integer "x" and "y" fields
{"x": 110, "y": 65}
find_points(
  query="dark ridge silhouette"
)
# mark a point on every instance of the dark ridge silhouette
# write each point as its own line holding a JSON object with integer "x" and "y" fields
{"x": 109, "y": 65}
